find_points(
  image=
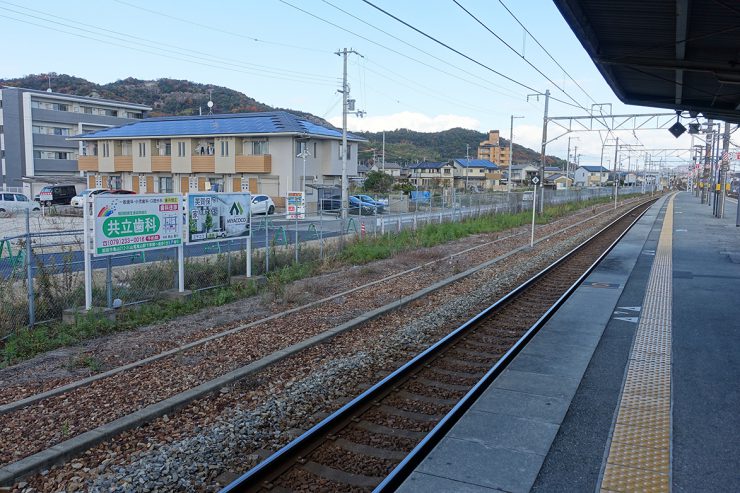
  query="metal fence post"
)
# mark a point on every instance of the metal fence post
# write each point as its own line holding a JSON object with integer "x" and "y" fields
{"x": 228, "y": 262}
{"x": 109, "y": 282}
{"x": 29, "y": 265}
{"x": 267, "y": 246}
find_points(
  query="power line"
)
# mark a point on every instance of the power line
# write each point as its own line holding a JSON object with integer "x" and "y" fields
{"x": 410, "y": 45}
{"x": 467, "y": 57}
{"x": 125, "y": 37}
{"x": 545, "y": 50}
{"x": 171, "y": 57}
{"x": 220, "y": 30}
{"x": 389, "y": 49}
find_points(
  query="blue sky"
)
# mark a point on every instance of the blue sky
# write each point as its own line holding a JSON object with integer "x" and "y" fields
{"x": 283, "y": 56}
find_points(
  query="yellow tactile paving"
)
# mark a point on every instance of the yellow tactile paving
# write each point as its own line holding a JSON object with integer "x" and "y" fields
{"x": 639, "y": 457}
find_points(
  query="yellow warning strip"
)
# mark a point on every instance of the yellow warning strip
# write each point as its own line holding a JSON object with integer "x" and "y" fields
{"x": 639, "y": 456}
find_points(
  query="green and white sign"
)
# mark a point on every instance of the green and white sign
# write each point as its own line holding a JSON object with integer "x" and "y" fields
{"x": 217, "y": 216}
{"x": 125, "y": 223}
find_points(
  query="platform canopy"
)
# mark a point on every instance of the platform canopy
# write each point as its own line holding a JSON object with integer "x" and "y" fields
{"x": 676, "y": 54}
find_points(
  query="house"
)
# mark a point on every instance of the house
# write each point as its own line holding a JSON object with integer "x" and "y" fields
{"x": 492, "y": 150}
{"x": 559, "y": 181}
{"x": 551, "y": 170}
{"x": 590, "y": 176}
{"x": 230, "y": 152}
{"x": 432, "y": 175}
{"x": 35, "y": 126}
{"x": 362, "y": 170}
{"x": 522, "y": 173}
{"x": 477, "y": 174}
{"x": 393, "y": 169}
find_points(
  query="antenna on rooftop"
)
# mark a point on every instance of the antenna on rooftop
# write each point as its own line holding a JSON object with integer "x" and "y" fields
{"x": 210, "y": 101}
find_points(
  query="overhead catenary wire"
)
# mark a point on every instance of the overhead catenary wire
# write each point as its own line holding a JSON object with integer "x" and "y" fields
{"x": 392, "y": 50}
{"x": 467, "y": 57}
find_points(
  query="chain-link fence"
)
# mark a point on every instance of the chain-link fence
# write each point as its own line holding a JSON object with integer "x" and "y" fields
{"x": 42, "y": 263}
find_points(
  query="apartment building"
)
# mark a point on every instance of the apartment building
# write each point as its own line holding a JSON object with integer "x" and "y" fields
{"x": 35, "y": 127}
{"x": 492, "y": 150}
{"x": 476, "y": 174}
{"x": 258, "y": 152}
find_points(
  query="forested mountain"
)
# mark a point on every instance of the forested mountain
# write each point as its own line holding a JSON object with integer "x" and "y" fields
{"x": 183, "y": 97}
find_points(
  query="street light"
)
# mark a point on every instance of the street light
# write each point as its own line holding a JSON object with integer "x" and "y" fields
{"x": 511, "y": 151}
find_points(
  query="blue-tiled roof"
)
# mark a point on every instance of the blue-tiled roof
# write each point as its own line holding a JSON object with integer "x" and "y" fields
{"x": 552, "y": 168}
{"x": 476, "y": 163}
{"x": 595, "y": 169}
{"x": 273, "y": 122}
{"x": 427, "y": 165}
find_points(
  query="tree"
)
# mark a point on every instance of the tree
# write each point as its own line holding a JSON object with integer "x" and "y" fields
{"x": 208, "y": 223}
{"x": 378, "y": 182}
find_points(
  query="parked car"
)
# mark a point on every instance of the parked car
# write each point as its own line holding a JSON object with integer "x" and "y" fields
{"x": 117, "y": 192}
{"x": 356, "y": 207}
{"x": 79, "y": 199}
{"x": 362, "y": 206}
{"x": 379, "y": 206}
{"x": 16, "y": 201}
{"x": 262, "y": 204}
{"x": 56, "y": 194}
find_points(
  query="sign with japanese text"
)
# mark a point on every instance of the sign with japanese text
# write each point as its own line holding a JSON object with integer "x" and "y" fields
{"x": 125, "y": 223}
{"x": 296, "y": 205}
{"x": 217, "y": 215}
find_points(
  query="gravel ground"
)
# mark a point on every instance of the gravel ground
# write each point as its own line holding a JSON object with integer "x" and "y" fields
{"x": 191, "y": 449}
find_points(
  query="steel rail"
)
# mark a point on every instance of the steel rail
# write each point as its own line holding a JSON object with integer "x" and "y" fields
{"x": 300, "y": 446}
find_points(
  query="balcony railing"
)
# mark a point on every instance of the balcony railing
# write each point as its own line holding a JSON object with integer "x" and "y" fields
{"x": 87, "y": 163}
{"x": 162, "y": 163}
{"x": 123, "y": 163}
{"x": 203, "y": 164}
{"x": 254, "y": 164}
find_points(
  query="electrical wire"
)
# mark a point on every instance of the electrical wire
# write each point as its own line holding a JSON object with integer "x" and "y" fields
{"x": 222, "y": 31}
{"x": 467, "y": 57}
{"x": 410, "y": 45}
{"x": 169, "y": 57}
{"x": 151, "y": 44}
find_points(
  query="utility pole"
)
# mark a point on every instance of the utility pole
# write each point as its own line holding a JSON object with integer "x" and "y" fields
{"x": 511, "y": 151}
{"x": 724, "y": 168}
{"x": 616, "y": 174}
{"x": 544, "y": 143}
{"x": 345, "y": 111}
{"x": 707, "y": 163}
{"x": 383, "y": 166}
{"x": 467, "y": 165}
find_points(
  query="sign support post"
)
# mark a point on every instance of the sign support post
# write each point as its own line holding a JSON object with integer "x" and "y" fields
{"x": 535, "y": 180}
{"x": 181, "y": 268}
{"x": 249, "y": 246}
{"x": 86, "y": 251}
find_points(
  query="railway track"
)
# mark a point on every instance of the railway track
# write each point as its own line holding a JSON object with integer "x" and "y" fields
{"x": 375, "y": 440}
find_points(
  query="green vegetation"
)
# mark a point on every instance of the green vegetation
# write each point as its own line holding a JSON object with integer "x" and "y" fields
{"x": 378, "y": 182}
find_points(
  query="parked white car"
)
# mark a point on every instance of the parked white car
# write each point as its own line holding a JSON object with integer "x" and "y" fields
{"x": 17, "y": 202}
{"x": 262, "y": 204}
{"x": 79, "y": 199}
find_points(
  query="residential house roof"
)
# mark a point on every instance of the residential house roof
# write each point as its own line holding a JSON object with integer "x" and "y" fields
{"x": 595, "y": 169}
{"x": 428, "y": 165}
{"x": 552, "y": 168}
{"x": 557, "y": 176}
{"x": 261, "y": 123}
{"x": 515, "y": 167}
{"x": 476, "y": 163}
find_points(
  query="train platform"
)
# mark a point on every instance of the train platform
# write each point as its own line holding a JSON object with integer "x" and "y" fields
{"x": 632, "y": 385}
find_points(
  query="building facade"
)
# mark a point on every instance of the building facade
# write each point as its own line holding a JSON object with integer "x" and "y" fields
{"x": 432, "y": 175}
{"x": 476, "y": 174}
{"x": 257, "y": 152}
{"x": 492, "y": 150}
{"x": 35, "y": 127}
{"x": 590, "y": 176}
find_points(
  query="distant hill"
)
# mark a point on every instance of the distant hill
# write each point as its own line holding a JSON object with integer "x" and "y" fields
{"x": 183, "y": 97}
{"x": 407, "y": 146}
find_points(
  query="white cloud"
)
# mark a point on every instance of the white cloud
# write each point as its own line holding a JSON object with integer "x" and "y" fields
{"x": 407, "y": 119}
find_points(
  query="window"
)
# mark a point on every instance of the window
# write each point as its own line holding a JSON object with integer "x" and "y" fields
{"x": 300, "y": 146}
{"x": 114, "y": 182}
{"x": 131, "y": 114}
{"x": 181, "y": 149}
{"x": 87, "y": 110}
{"x": 224, "y": 148}
{"x": 106, "y": 149}
{"x": 8, "y": 197}
{"x": 165, "y": 184}
{"x": 260, "y": 147}
{"x": 142, "y": 149}
{"x": 315, "y": 148}
{"x": 21, "y": 198}
{"x": 349, "y": 151}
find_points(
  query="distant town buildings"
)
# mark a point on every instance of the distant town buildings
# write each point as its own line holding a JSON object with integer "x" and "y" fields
{"x": 34, "y": 130}
{"x": 491, "y": 150}
{"x": 257, "y": 152}
{"x": 590, "y": 176}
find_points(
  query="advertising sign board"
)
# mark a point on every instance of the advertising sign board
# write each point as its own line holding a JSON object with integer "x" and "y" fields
{"x": 125, "y": 223}
{"x": 296, "y": 205}
{"x": 215, "y": 216}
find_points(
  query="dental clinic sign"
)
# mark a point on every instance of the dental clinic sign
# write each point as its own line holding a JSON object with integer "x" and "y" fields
{"x": 216, "y": 216}
{"x": 125, "y": 223}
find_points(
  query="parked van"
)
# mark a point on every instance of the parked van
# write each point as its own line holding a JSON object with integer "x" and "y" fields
{"x": 57, "y": 194}
{"x": 15, "y": 202}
